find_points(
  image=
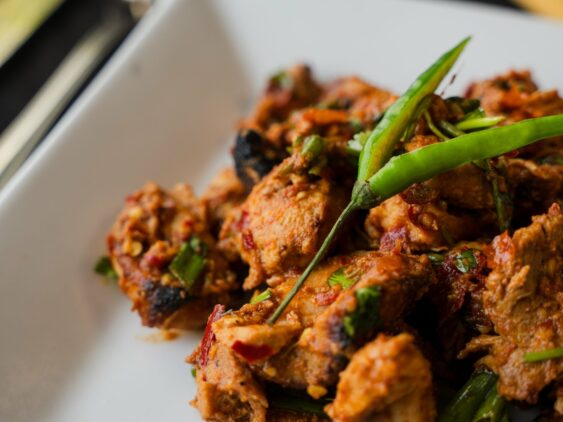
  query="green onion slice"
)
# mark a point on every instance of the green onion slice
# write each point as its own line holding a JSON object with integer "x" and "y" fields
{"x": 105, "y": 268}
{"x": 366, "y": 315}
{"x": 339, "y": 277}
{"x": 465, "y": 261}
{"x": 188, "y": 264}
{"x": 266, "y": 294}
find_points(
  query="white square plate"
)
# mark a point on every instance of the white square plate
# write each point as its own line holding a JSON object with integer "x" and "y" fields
{"x": 163, "y": 109}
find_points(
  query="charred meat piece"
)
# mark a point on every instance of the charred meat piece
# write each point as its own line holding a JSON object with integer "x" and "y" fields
{"x": 386, "y": 380}
{"x": 149, "y": 233}
{"x": 524, "y": 300}
{"x": 254, "y": 157}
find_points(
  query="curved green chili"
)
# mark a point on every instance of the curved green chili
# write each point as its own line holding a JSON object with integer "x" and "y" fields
{"x": 383, "y": 138}
{"x": 378, "y": 148}
{"x": 426, "y": 162}
{"x": 377, "y": 182}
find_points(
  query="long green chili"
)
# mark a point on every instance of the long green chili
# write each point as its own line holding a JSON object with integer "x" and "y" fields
{"x": 379, "y": 179}
{"x": 383, "y": 138}
{"x": 379, "y": 147}
{"x": 426, "y": 162}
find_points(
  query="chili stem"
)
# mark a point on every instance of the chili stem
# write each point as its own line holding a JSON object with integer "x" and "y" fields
{"x": 544, "y": 355}
{"x": 351, "y": 207}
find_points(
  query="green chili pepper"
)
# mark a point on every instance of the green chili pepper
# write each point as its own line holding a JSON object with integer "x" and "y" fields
{"x": 383, "y": 138}
{"x": 376, "y": 183}
{"x": 378, "y": 148}
{"x": 468, "y": 400}
{"x": 426, "y": 162}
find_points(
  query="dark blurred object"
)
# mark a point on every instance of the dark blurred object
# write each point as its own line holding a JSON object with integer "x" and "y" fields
{"x": 506, "y": 3}
{"x": 52, "y": 66}
{"x": 28, "y": 69}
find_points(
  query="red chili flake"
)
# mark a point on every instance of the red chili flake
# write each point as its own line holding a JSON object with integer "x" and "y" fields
{"x": 248, "y": 241}
{"x": 326, "y": 298}
{"x": 252, "y": 353}
{"x": 155, "y": 260}
{"x": 134, "y": 197}
{"x": 512, "y": 154}
{"x": 208, "y": 335}
{"x": 109, "y": 242}
{"x": 243, "y": 221}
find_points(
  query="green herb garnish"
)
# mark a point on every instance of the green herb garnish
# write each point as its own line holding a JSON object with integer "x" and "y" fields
{"x": 356, "y": 144}
{"x": 544, "y": 355}
{"x": 465, "y": 261}
{"x": 266, "y": 294}
{"x": 282, "y": 79}
{"x": 340, "y": 278}
{"x": 194, "y": 371}
{"x": 105, "y": 268}
{"x": 188, "y": 264}
{"x": 366, "y": 315}
{"x": 436, "y": 258}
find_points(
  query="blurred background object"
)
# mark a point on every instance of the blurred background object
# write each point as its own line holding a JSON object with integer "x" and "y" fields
{"x": 551, "y": 8}
{"x": 51, "y": 49}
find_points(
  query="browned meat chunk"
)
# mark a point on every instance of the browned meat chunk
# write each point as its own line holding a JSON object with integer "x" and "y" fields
{"x": 386, "y": 380}
{"x": 534, "y": 187}
{"x": 365, "y": 101}
{"x": 397, "y": 225}
{"x": 524, "y": 300}
{"x": 144, "y": 240}
{"x": 284, "y": 220}
{"x": 516, "y": 96}
{"x": 289, "y": 90}
{"x": 312, "y": 341}
{"x": 224, "y": 193}
{"x": 227, "y": 390}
